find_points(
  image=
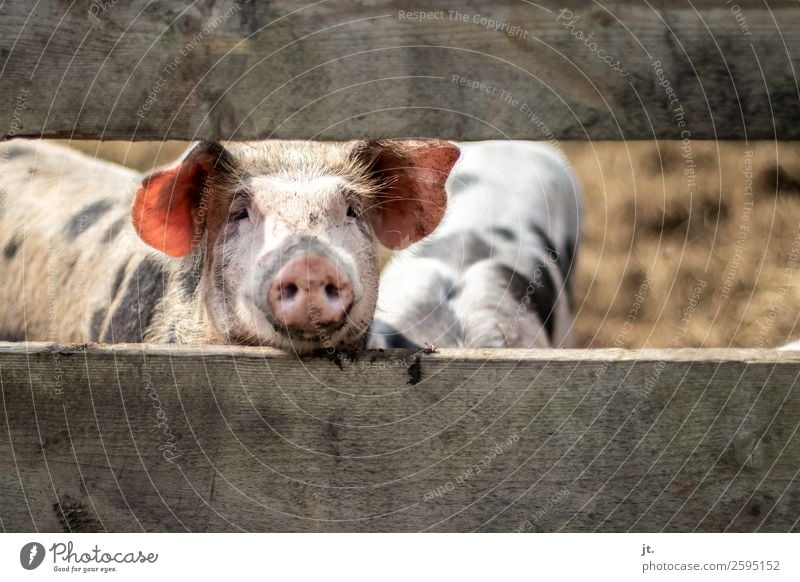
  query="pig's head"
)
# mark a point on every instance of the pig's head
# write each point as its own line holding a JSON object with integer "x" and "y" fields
{"x": 286, "y": 230}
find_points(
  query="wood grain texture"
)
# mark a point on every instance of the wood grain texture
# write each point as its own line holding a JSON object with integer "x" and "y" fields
{"x": 158, "y": 438}
{"x": 238, "y": 69}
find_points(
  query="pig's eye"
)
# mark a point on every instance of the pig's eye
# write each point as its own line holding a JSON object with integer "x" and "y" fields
{"x": 239, "y": 215}
{"x": 351, "y": 212}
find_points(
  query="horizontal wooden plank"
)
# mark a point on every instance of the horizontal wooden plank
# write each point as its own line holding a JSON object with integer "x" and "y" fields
{"x": 161, "y": 438}
{"x": 239, "y": 69}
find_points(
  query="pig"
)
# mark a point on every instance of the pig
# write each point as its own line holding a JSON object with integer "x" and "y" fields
{"x": 498, "y": 271}
{"x": 267, "y": 243}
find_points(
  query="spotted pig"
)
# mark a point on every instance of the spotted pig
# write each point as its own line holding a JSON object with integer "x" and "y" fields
{"x": 498, "y": 271}
{"x": 267, "y": 243}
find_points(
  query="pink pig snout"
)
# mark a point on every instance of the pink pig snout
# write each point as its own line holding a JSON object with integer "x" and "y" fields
{"x": 310, "y": 292}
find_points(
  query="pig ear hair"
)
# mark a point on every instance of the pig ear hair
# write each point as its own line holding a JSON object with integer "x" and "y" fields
{"x": 410, "y": 199}
{"x": 164, "y": 211}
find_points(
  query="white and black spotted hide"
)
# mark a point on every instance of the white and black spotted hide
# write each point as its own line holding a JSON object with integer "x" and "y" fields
{"x": 497, "y": 273}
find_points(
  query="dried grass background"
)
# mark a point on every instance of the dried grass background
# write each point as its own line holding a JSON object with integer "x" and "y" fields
{"x": 664, "y": 263}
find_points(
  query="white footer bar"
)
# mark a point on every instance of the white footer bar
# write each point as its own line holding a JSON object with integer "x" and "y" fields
{"x": 402, "y": 557}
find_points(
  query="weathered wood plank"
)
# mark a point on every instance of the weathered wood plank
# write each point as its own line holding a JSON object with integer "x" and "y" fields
{"x": 236, "y": 69}
{"x": 256, "y": 440}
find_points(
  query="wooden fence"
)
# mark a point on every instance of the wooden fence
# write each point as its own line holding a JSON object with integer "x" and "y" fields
{"x": 630, "y": 69}
{"x": 208, "y": 439}
{"x": 154, "y": 438}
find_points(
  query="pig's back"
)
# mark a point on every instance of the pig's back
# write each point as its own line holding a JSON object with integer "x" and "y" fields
{"x": 524, "y": 188}
{"x": 65, "y": 239}
{"x": 504, "y": 255}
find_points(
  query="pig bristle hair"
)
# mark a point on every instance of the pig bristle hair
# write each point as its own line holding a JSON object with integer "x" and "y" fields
{"x": 303, "y": 160}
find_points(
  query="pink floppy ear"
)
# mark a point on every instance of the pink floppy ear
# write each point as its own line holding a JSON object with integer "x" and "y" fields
{"x": 412, "y": 201}
{"x": 165, "y": 208}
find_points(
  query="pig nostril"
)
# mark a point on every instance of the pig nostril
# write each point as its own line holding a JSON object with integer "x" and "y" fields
{"x": 288, "y": 291}
{"x": 332, "y": 291}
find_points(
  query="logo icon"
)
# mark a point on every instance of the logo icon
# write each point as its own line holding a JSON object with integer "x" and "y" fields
{"x": 31, "y": 555}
